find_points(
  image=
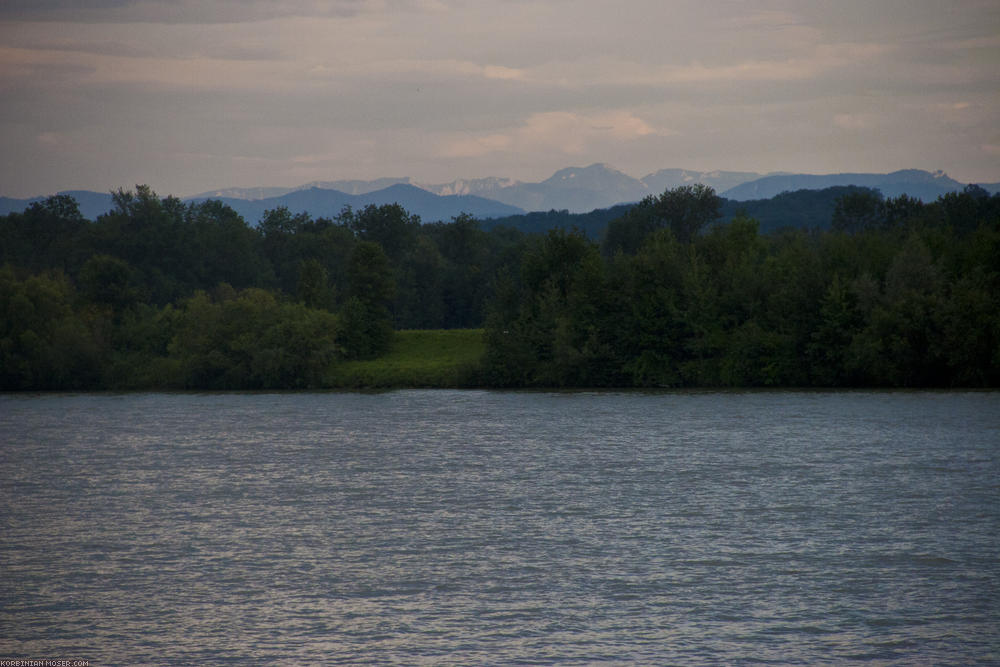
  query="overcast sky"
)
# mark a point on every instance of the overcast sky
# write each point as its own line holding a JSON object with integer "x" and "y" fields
{"x": 192, "y": 95}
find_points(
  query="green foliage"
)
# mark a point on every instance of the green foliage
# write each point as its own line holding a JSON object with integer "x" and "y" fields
{"x": 858, "y": 211}
{"x": 592, "y": 224}
{"x": 46, "y": 237}
{"x": 684, "y": 210}
{"x": 253, "y": 341}
{"x": 419, "y": 300}
{"x": 221, "y": 248}
{"x": 438, "y": 358}
{"x": 175, "y": 249}
{"x": 46, "y": 342}
{"x": 108, "y": 281}
{"x": 390, "y": 226}
{"x": 463, "y": 270}
{"x": 313, "y": 288}
{"x": 555, "y": 329}
{"x": 161, "y": 294}
{"x": 371, "y": 287}
{"x": 904, "y": 304}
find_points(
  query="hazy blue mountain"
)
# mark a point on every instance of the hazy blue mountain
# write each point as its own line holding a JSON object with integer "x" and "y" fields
{"x": 488, "y": 187}
{"x": 806, "y": 209}
{"x": 356, "y": 187}
{"x": 326, "y": 203}
{"x": 92, "y": 204}
{"x": 576, "y": 189}
{"x": 260, "y": 192}
{"x": 318, "y": 202}
{"x": 351, "y": 187}
{"x": 667, "y": 179}
{"x": 431, "y": 207}
{"x": 584, "y": 189}
{"x": 923, "y": 185}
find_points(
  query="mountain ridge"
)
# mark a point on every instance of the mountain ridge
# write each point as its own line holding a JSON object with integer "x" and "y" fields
{"x": 923, "y": 185}
{"x": 574, "y": 189}
{"x": 599, "y": 185}
{"x": 328, "y": 203}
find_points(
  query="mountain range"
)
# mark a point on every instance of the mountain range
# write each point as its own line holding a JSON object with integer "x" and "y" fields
{"x": 923, "y": 185}
{"x": 575, "y": 189}
{"x": 328, "y": 203}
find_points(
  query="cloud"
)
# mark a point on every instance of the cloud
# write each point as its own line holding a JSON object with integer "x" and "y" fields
{"x": 137, "y": 48}
{"x": 437, "y": 68}
{"x": 565, "y": 132}
{"x": 49, "y": 139}
{"x": 854, "y": 121}
{"x": 200, "y": 11}
{"x": 251, "y": 91}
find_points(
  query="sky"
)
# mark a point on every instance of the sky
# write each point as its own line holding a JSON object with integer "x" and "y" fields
{"x": 194, "y": 95}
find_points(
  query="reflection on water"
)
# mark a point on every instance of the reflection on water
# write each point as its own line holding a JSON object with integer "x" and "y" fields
{"x": 477, "y": 527}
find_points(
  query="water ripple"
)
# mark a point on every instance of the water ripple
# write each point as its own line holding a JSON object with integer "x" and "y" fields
{"x": 470, "y": 527}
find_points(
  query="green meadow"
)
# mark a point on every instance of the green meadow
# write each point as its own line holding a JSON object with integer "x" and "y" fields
{"x": 417, "y": 358}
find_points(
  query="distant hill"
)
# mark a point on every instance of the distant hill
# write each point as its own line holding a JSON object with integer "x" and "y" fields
{"x": 92, "y": 204}
{"x": 599, "y": 186}
{"x": 575, "y": 190}
{"x": 924, "y": 185}
{"x": 667, "y": 179}
{"x": 805, "y": 209}
{"x": 592, "y": 224}
{"x": 351, "y": 187}
{"x": 482, "y": 187}
{"x": 318, "y": 202}
{"x": 325, "y": 203}
{"x": 262, "y": 192}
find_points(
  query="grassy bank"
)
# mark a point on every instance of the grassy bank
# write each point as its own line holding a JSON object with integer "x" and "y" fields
{"x": 420, "y": 358}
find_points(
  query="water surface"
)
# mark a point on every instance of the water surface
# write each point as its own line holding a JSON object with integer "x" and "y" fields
{"x": 473, "y": 527}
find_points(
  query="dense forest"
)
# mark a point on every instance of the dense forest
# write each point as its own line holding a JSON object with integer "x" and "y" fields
{"x": 680, "y": 290}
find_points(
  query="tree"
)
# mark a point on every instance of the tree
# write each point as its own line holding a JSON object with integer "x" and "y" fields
{"x": 365, "y": 319}
{"x": 651, "y": 327}
{"x": 48, "y": 235}
{"x": 685, "y": 210}
{"x": 108, "y": 281}
{"x": 281, "y": 221}
{"x": 553, "y": 330}
{"x": 465, "y": 249}
{"x": 313, "y": 287}
{"x": 858, "y": 211}
{"x": 419, "y": 302}
{"x": 389, "y": 225}
{"x": 224, "y": 248}
{"x": 152, "y": 236}
{"x": 44, "y": 342}
{"x": 900, "y": 211}
{"x": 252, "y": 341}
{"x": 688, "y": 209}
{"x": 627, "y": 233}
{"x": 964, "y": 211}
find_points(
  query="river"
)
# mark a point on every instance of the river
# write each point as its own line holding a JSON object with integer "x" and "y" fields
{"x": 478, "y": 527}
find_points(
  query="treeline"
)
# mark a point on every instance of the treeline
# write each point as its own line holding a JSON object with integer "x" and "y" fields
{"x": 899, "y": 294}
{"x": 801, "y": 209}
{"x": 160, "y": 294}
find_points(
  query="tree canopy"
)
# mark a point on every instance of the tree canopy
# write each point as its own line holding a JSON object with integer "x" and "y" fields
{"x": 156, "y": 293}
